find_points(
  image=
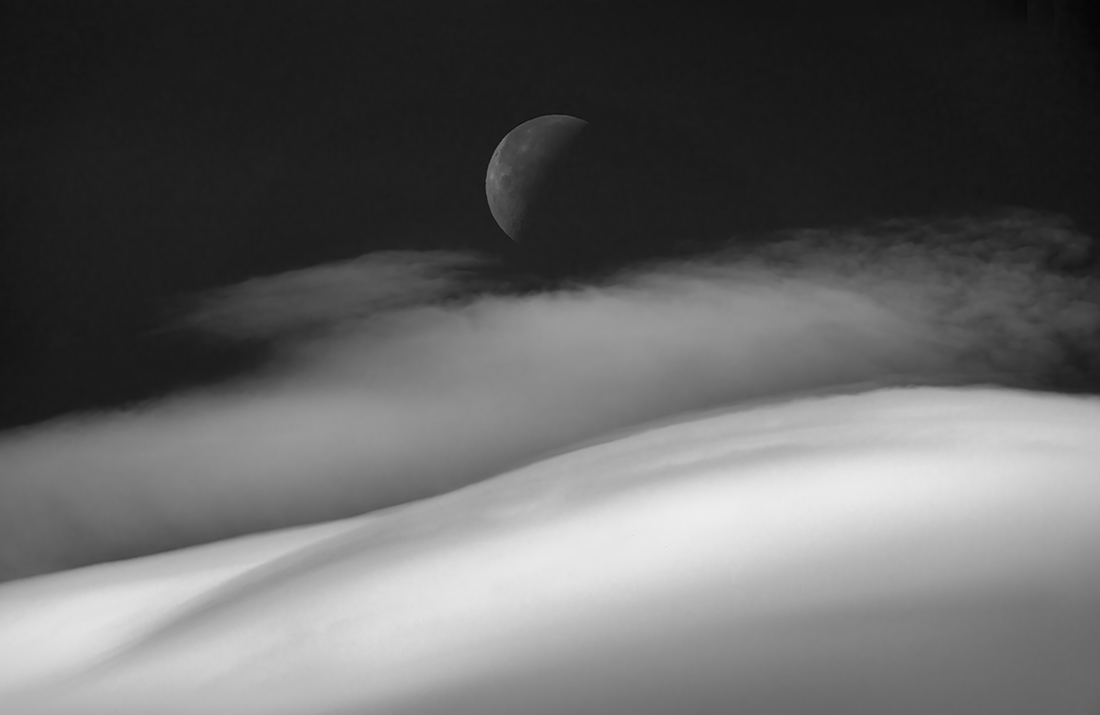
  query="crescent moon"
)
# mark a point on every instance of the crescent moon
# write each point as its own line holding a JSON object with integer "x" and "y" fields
{"x": 523, "y": 164}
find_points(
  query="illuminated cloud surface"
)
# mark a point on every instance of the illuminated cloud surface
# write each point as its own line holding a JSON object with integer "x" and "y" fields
{"x": 815, "y": 542}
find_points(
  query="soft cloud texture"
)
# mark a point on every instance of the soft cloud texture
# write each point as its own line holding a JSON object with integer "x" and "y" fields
{"x": 397, "y": 377}
{"x": 299, "y": 303}
{"x": 923, "y": 551}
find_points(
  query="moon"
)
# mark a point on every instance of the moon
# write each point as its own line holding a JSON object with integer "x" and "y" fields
{"x": 523, "y": 166}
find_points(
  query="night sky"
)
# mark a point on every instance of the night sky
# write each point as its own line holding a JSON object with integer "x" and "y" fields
{"x": 152, "y": 152}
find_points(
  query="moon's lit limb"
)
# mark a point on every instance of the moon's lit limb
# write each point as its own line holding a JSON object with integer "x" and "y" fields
{"x": 901, "y": 551}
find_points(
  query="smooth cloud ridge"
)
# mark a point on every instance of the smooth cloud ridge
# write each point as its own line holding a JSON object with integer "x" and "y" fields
{"x": 920, "y": 550}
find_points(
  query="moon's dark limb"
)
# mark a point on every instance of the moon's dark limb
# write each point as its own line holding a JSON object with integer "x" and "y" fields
{"x": 522, "y": 166}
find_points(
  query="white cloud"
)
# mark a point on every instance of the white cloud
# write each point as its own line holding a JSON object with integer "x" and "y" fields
{"x": 396, "y": 379}
{"x": 911, "y": 551}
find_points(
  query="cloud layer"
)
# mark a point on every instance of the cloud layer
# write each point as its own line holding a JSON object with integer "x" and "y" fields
{"x": 401, "y": 375}
{"x": 924, "y": 550}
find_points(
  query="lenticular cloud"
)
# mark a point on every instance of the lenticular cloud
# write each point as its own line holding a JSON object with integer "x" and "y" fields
{"x": 836, "y": 471}
{"x": 915, "y": 550}
{"x": 405, "y": 375}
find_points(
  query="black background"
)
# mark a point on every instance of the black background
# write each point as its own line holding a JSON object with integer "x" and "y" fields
{"x": 151, "y": 150}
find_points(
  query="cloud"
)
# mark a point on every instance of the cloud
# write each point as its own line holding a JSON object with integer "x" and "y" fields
{"x": 399, "y": 376}
{"x": 299, "y": 303}
{"x": 931, "y": 547}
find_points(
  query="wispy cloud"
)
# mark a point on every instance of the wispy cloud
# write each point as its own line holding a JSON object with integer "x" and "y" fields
{"x": 300, "y": 303}
{"x": 399, "y": 376}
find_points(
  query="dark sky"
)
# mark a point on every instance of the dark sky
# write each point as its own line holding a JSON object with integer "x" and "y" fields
{"x": 151, "y": 151}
